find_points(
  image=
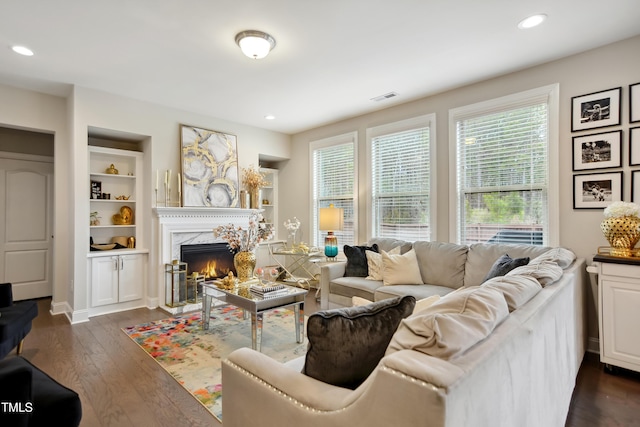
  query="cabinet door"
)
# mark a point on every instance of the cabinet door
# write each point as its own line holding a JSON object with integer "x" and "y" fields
{"x": 131, "y": 277}
{"x": 104, "y": 280}
{"x": 620, "y": 319}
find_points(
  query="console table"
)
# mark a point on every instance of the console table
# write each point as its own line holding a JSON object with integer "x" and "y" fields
{"x": 619, "y": 311}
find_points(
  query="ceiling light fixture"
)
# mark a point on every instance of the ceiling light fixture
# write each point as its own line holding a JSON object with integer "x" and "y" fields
{"x": 22, "y": 50}
{"x": 255, "y": 44}
{"x": 532, "y": 21}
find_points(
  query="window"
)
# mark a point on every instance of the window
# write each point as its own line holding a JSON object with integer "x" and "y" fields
{"x": 333, "y": 182}
{"x": 503, "y": 153}
{"x": 400, "y": 171}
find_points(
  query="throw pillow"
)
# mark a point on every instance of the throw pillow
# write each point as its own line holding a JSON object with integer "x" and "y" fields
{"x": 401, "y": 269}
{"x": 346, "y": 344}
{"x": 505, "y": 264}
{"x": 357, "y": 260}
{"x": 374, "y": 263}
{"x": 451, "y": 326}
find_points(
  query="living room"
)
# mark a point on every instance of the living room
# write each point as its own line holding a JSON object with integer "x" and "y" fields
{"x": 68, "y": 118}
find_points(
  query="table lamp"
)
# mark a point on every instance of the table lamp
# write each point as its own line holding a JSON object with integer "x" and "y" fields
{"x": 331, "y": 219}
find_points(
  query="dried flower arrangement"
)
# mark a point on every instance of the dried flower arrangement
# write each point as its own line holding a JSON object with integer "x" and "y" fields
{"x": 245, "y": 239}
{"x": 252, "y": 179}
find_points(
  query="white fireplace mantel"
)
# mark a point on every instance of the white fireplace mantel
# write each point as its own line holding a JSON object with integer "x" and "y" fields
{"x": 191, "y": 225}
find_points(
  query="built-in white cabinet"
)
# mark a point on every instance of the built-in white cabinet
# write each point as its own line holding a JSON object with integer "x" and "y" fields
{"x": 619, "y": 311}
{"x": 269, "y": 194}
{"x": 117, "y": 279}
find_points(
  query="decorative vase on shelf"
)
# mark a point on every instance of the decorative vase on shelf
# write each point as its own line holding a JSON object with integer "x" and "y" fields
{"x": 245, "y": 263}
{"x": 254, "y": 201}
{"x": 622, "y": 233}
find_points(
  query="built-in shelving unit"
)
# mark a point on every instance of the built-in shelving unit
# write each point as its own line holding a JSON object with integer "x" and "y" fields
{"x": 269, "y": 202}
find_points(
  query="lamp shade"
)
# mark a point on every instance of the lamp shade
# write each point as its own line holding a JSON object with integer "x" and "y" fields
{"x": 255, "y": 44}
{"x": 331, "y": 218}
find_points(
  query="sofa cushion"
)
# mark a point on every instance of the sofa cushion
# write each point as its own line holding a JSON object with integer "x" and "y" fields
{"x": 453, "y": 324}
{"x": 357, "y": 260}
{"x": 374, "y": 263}
{"x": 354, "y": 287}
{"x": 516, "y": 289}
{"x": 419, "y": 291}
{"x": 388, "y": 243}
{"x": 505, "y": 264}
{"x": 481, "y": 257}
{"x": 546, "y": 272}
{"x": 441, "y": 264}
{"x": 400, "y": 269}
{"x": 346, "y": 344}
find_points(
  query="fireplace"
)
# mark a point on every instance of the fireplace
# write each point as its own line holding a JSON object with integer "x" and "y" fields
{"x": 211, "y": 260}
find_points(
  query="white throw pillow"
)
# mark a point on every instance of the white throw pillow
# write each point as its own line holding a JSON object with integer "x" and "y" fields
{"x": 561, "y": 256}
{"x": 401, "y": 269}
{"x": 374, "y": 263}
{"x": 425, "y": 303}
{"x": 358, "y": 301}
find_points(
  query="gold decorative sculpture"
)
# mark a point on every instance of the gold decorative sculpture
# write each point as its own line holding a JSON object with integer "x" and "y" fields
{"x": 112, "y": 170}
{"x": 125, "y": 217}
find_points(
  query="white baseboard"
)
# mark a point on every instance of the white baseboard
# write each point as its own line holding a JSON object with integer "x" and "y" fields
{"x": 77, "y": 316}
{"x": 153, "y": 303}
{"x": 58, "y": 308}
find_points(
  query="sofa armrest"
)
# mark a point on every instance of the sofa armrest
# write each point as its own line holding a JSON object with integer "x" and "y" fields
{"x": 328, "y": 272}
{"x": 279, "y": 395}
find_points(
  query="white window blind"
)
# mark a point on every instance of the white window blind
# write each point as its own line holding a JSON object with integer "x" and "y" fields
{"x": 334, "y": 183}
{"x": 400, "y": 178}
{"x": 502, "y": 174}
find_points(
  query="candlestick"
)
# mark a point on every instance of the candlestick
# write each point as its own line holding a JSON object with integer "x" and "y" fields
{"x": 179, "y": 189}
{"x": 169, "y": 180}
{"x": 156, "y": 184}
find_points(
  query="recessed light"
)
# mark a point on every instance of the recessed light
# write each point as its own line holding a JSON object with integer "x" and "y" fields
{"x": 22, "y": 50}
{"x": 270, "y": 117}
{"x": 532, "y": 21}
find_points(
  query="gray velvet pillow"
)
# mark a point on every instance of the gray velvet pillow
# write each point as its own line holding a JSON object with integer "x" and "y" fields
{"x": 346, "y": 344}
{"x": 505, "y": 264}
{"x": 357, "y": 260}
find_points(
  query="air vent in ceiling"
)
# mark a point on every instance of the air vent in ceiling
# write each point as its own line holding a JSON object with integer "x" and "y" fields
{"x": 385, "y": 96}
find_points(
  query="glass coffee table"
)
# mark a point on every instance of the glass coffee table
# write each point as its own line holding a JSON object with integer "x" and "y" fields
{"x": 254, "y": 306}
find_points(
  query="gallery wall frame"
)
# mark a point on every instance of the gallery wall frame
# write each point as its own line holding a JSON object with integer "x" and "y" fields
{"x": 634, "y": 103}
{"x": 635, "y": 186}
{"x": 634, "y": 146}
{"x": 596, "y": 110}
{"x": 596, "y": 190}
{"x": 210, "y": 176}
{"x": 597, "y": 151}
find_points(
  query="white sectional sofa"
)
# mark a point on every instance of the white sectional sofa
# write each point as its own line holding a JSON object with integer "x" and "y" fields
{"x": 516, "y": 365}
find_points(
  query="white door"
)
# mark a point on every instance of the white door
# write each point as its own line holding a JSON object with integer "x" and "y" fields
{"x": 26, "y": 226}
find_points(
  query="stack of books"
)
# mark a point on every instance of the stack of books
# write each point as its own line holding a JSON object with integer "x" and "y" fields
{"x": 269, "y": 290}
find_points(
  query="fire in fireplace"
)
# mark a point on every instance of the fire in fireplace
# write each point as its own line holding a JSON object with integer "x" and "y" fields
{"x": 212, "y": 260}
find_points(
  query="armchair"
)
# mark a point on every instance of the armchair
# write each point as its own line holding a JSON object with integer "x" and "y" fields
{"x": 15, "y": 320}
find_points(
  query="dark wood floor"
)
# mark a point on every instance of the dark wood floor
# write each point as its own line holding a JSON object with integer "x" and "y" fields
{"x": 120, "y": 385}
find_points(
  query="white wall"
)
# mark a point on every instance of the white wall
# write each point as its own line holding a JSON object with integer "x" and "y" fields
{"x": 599, "y": 69}
{"x": 69, "y": 119}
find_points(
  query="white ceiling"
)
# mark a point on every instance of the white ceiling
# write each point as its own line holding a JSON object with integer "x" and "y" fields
{"x": 331, "y": 56}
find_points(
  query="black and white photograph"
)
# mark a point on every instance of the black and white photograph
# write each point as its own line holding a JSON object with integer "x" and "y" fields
{"x": 598, "y": 190}
{"x": 596, "y": 110}
{"x": 597, "y": 151}
{"x": 634, "y": 103}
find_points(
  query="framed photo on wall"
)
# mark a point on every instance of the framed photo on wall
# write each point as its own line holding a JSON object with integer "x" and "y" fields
{"x": 597, "y": 190}
{"x": 635, "y": 186}
{"x": 634, "y": 146}
{"x": 597, "y": 151}
{"x": 634, "y": 103}
{"x": 209, "y": 168}
{"x": 596, "y": 110}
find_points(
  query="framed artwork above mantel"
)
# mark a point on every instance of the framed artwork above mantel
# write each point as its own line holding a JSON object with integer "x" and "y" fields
{"x": 210, "y": 175}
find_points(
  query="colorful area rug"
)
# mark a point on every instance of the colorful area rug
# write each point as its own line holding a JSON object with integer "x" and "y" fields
{"x": 193, "y": 356}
